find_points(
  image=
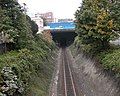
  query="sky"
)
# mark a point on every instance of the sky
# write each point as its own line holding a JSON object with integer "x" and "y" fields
{"x": 60, "y": 8}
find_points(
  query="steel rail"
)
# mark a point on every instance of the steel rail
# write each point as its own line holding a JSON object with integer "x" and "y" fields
{"x": 66, "y": 65}
{"x": 73, "y": 85}
{"x": 65, "y": 89}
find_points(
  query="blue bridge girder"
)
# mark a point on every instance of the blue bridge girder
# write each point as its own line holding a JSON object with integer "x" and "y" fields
{"x": 61, "y": 26}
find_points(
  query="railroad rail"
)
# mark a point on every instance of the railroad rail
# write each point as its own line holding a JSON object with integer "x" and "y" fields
{"x": 67, "y": 83}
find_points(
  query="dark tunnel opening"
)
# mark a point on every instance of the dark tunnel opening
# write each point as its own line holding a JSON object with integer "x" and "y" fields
{"x": 63, "y": 38}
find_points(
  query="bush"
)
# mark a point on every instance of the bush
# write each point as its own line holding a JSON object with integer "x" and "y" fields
{"x": 33, "y": 67}
{"x": 111, "y": 61}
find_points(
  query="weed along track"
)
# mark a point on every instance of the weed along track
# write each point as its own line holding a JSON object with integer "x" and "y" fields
{"x": 67, "y": 84}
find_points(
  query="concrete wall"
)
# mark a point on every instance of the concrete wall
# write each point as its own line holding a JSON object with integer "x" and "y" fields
{"x": 93, "y": 79}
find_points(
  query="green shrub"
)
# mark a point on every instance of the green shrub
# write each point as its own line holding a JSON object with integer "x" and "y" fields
{"x": 32, "y": 67}
{"x": 111, "y": 60}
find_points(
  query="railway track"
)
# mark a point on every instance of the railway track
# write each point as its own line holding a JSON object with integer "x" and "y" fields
{"x": 67, "y": 85}
{"x": 72, "y": 80}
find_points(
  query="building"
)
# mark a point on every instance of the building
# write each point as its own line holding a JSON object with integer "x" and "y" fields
{"x": 48, "y": 16}
{"x": 65, "y": 20}
{"x": 39, "y": 22}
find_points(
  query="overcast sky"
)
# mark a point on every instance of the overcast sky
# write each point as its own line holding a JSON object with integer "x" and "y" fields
{"x": 60, "y": 8}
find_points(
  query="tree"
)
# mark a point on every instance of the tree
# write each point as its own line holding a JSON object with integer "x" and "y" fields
{"x": 115, "y": 13}
{"x": 7, "y": 30}
{"x": 95, "y": 25}
{"x": 14, "y": 23}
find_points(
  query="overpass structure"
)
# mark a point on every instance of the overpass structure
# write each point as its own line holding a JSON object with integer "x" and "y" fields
{"x": 61, "y": 26}
{"x": 63, "y": 33}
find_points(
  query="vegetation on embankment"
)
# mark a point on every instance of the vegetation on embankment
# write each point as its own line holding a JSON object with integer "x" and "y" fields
{"x": 110, "y": 60}
{"x": 27, "y": 69}
{"x": 33, "y": 69}
{"x": 97, "y": 23}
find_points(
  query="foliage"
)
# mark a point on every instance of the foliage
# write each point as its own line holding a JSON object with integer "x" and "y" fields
{"x": 33, "y": 67}
{"x": 14, "y": 23}
{"x": 10, "y": 83}
{"x": 31, "y": 60}
{"x": 6, "y": 26}
{"x": 95, "y": 25}
{"x": 111, "y": 60}
{"x": 115, "y": 14}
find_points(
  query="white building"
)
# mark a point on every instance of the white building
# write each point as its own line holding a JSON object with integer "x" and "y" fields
{"x": 39, "y": 22}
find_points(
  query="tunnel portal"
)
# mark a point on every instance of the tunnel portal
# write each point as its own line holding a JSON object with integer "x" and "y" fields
{"x": 63, "y": 33}
{"x": 63, "y": 37}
